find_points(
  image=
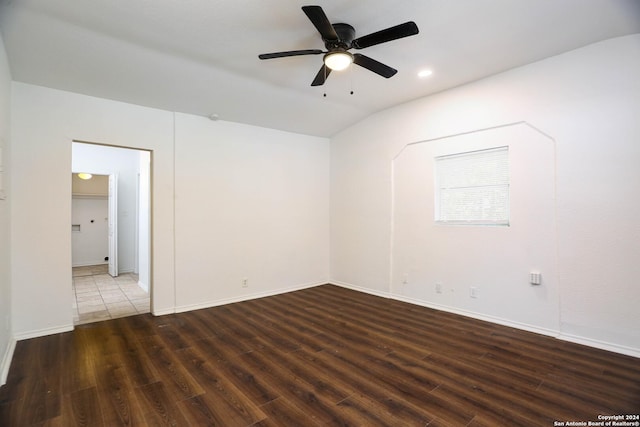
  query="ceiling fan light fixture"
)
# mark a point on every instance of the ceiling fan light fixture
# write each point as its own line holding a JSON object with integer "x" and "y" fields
{"x": 338, "y": 61}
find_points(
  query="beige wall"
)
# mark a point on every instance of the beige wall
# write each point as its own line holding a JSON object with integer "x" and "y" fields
{"x": 6, "y": 344}
{"x": 98, "y": 185}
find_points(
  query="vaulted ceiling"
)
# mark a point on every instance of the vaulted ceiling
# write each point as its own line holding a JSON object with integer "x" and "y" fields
{"x": 201, "y": 56}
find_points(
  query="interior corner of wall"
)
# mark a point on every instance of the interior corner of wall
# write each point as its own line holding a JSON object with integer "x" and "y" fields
{"x": 6, "y": 361}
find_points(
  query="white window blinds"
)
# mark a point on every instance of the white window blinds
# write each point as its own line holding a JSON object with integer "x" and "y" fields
{"x": 473, "y": 188}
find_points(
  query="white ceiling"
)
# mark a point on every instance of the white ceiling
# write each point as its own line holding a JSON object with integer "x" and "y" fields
{"x": 201, "y": 56}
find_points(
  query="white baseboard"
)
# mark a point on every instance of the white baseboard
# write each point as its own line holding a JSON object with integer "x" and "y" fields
{"x": 491, "y": 319}
{"x": 479, "y": 316}
{"x": 163, "y": 312}
{"x": 247, "y": 297}
{"x": 43, "y": 332}
{"x": 6, "y": 361}
{"x": 143, "y": 286}
{"x": 361, "y": 289}
{"x": 89, "y": 264}
{"x": 615, "y": 348}
{"x": 602, "y": 345}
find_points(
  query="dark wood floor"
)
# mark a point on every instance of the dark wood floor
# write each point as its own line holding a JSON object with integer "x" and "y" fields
{"x": 321, "y": 356}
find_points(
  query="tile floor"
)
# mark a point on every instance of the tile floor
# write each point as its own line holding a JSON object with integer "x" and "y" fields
{"x": 98, "y": 296}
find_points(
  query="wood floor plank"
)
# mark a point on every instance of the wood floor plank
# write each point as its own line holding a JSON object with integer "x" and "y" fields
{"x": 117, "y": 393}
{"x": 172, "y": 373}
{"x": 353, "y": 412}
{"x": 281, "y": 412}
{"x": 77, "y": 369}
{"x": 334, "y": 332}
{"x": 363, "y": 384}
{"x": 10, "y": 413}
{"x": 40, "y": 386}
{"x": 304, "y": 380}
{"x": 227, "y": 363}
{"x": 85, "y": 408}
{"x": 393, "y": 338}
{"x": 299, "y": 394}
{"x": 359, "y": 409}
{"x": 190, "y": 326}
{"x": 22, "y": 365}
{"x": 592, "y": 393}
{"x": 302, "y": 334}
{"x": 317, "y": 380}
{"x": 349, "y": 380}
{"x": 325, "y": 356}
{"x": 137, "y": 366}
{"x": 222, "y": 399}
{"x": 261, "y": 326}
{"x": 160, "y": 407}
{"x": 400, "y": 385}
{"x": 170, "y": 335}
{"x": 469, "y": 388}
{"x": 206, "y": 410}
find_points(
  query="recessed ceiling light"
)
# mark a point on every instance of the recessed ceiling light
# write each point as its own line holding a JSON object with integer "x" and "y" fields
{"x": 425, "y": 73}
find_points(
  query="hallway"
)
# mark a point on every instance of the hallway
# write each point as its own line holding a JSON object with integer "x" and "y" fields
{"x": 98, "y": 296}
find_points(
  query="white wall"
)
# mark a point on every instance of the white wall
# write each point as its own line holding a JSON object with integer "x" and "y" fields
{"x": 588, "y": 101}
{"x": 125, "y": 164}
{"x": 250, "y": 203}
{"x": 44, "y": 123}
{"x": 6, "y": 343}
{"x": 495, "y": 260}
{"x": 90, "y": 243}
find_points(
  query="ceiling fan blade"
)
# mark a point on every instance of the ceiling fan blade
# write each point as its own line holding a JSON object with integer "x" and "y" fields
{"x": 393, "y": 33}
{"x": 318, "y": 18}
{"x": 290, "y": 53}
{"x": 373, "y": 65}
{"x": 322, "y": 75}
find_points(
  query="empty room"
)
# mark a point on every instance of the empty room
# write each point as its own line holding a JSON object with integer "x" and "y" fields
{"x": 414, "y": 213}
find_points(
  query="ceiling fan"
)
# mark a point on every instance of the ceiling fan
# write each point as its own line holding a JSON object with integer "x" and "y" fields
{"x": 339, "y": 39}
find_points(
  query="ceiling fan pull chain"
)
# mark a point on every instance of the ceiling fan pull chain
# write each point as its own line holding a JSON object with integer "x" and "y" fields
{"x": 325, "y": 78}
{"x": 351, "y": 79}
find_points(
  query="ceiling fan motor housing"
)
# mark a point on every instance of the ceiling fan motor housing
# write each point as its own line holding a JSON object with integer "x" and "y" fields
{"x": 346, "y": 34}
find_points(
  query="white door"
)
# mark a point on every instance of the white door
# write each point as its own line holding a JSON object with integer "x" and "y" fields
{"x": 113, "y": 225}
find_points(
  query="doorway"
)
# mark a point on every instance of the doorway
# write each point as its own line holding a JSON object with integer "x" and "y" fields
{"x": 110, "y": 232}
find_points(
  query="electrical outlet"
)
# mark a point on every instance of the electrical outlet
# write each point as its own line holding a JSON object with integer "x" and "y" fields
{"x": 245, "y": 283}
{"x": 438, "y": 287}
{"x": 535, "y": 278}
{"x": 474, "y": 292}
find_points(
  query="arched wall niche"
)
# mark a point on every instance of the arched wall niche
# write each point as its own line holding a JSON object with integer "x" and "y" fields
{"x": 438, "y": 265}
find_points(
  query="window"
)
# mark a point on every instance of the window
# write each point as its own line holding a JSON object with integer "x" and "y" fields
{"x": 473, "y": 188}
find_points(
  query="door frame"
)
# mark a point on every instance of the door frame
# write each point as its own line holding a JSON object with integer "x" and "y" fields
{"x": 149, "y": 211}
{"x": 113, "y": 225}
